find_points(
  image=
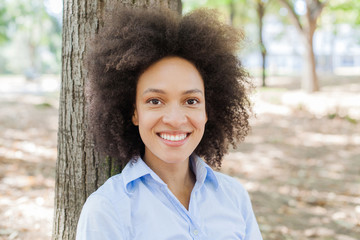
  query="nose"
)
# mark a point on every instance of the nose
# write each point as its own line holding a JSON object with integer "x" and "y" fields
{"x": 174, "y": 116}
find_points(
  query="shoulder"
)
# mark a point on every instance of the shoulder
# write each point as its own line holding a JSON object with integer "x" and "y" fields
{"x": 109, "y": 195}
{"x": 237, "y": 193}
{"x": 105, "y": 212}
{"x": 229, "y": 183}
{"x": 232, "y": 187}
{"x": 113, "y": 190}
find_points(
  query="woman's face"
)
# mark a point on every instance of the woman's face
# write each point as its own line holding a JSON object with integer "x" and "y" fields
{"x": 170, "y": 110}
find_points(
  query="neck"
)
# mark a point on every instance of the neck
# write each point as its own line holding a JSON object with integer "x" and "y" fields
{"x": 178, "y": 176}
{"x": 173, "y": 174}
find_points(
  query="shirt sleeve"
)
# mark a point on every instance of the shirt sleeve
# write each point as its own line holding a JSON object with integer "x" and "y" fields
{"x": 98, "y": 221}
{"x": 252, "y": 227}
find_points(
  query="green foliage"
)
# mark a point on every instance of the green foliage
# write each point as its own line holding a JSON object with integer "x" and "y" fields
{"x": 351, "y": 120}
{"x": 30, "y": 38}
{"x": 4, "y": 22}
{"x": 348, "y": 118}
{"x": 43, "y": 105}
{"x": 242, "y": 10}
{"x": 345, "y": 11}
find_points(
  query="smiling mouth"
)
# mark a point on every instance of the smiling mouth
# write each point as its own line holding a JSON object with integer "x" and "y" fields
{"x": 173, "y": 137}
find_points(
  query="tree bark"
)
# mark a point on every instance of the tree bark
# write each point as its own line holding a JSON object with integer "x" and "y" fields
{"x": 310, "y": 81}
{"x": 79, "y": 169}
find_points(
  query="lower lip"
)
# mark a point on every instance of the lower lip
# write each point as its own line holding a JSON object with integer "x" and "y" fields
{"x": 175, "y": 143}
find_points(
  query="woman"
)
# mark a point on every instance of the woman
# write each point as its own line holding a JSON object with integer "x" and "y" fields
{"x": 166, "y": 92}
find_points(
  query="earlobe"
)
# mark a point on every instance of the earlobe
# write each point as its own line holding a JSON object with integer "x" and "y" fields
{"x": 135, "y": 118}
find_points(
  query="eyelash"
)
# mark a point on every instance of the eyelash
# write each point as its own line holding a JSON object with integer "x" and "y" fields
{"x": 192, "y": 99}
{"x": 150, "y": 101}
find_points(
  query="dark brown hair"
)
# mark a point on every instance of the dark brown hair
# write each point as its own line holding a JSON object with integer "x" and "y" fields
{"x": 130, "y": 41}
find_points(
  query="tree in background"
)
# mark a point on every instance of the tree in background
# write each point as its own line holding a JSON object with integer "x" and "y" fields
{"x": 79, "y": 169}
{"x": 260, "y": 6}
{"x": 240, "y": 13}
{"x": 306, "y": 26}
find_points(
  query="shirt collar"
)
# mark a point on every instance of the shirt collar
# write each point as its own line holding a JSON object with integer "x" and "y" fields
{"x": 203, "y": 171}
{"x": 137, "y": 169}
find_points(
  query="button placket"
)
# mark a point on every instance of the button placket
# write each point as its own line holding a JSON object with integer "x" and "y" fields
{"x": 189, "y": 216}
{"x": 195, "y": 233}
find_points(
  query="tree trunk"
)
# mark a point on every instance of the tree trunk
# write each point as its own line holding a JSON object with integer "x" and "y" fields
{"x": 79, "y": 169}
{"x": 263, "y": 56}
{"x": 314, "y": 9}
{"x": 232, "y": 12}
{"x": 310, "y": 81}
{"x": 260, "y": 9}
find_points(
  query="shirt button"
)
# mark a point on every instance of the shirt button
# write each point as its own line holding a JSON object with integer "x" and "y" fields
{"x": 196, "y": 232}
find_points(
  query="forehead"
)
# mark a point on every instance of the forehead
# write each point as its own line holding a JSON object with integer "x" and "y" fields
{"x": 171, "y": 73}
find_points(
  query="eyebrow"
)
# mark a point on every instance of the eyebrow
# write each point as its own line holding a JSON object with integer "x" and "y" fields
{"x": 193, "y": 91}
{"x": 154, "y": 90}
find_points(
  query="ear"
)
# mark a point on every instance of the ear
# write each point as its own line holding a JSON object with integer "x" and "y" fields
{"x": 135, "y": 118}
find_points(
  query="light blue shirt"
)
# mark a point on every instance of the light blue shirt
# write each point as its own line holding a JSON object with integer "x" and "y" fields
{"x": 138, "y": 205}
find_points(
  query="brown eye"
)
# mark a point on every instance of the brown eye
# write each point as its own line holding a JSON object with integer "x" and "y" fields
{"x": 154, "y": 101}
{"x": 192, "y": 101}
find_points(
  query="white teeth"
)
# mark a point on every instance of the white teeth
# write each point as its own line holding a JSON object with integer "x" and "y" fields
{"x": 173, "y": 138}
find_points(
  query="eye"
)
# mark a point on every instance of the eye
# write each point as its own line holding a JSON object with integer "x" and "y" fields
{"x": 192, "y": 101}
{"x": 154, "y": 101}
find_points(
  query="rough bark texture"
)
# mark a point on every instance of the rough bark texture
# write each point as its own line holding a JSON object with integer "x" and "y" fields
{"x": 79, "y": 170}
{"x": 307, "y": 29}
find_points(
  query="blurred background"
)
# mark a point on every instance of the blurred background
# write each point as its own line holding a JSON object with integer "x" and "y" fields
{"x": 300, "y": 163}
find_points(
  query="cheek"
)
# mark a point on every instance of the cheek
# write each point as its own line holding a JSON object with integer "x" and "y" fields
{"x": 147, "y": 121}
{"x": 199, "y": 120}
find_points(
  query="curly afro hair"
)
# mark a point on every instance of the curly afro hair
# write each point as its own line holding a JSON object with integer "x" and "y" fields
{"x": 129, "y": 42}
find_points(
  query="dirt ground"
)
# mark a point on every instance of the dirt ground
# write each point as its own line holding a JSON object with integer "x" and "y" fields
{"x": 300, "y": 164}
